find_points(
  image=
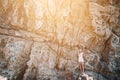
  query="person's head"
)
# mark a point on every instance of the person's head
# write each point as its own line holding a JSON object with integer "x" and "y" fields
{"x": 81, "y": 49}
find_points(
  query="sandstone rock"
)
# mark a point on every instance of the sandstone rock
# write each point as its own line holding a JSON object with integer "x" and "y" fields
{"x": 39, "y": 39}
{"x": 3, "y": 78}
{"x": 14, "y": 51}
{"x": 85, "y": 77}
{"x": 42, "y": 59}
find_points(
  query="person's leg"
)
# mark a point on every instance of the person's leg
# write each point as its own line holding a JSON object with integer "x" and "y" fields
{"x": 83, "y": 67}
{"x": 80, "y": 67}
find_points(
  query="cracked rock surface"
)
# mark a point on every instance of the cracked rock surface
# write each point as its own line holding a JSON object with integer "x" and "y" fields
{"x": 39, "y": 39}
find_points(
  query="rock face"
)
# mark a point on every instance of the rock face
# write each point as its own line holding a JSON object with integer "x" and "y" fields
{"x": 39, "y": 39}
{"x": 85, "y": 77}
{"x": 2, "y": 78}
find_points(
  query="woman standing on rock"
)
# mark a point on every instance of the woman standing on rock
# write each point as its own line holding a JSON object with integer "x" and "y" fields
{"x": 81, "y": 60}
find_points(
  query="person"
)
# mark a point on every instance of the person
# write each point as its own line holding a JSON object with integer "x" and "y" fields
{"x": 81, "y": 60}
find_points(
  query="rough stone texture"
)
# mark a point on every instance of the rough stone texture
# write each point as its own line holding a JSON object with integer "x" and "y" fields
{"x": 85, "y": 77}
{"x": 3, "y": 78}
{"x": 39, "y": 39}
{"x": 14, "y": 53}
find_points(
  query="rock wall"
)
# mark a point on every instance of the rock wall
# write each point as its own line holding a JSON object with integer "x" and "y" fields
{"x": 39, "y": 39}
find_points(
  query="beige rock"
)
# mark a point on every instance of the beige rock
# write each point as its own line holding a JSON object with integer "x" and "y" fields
{"x": 39, "y": 39}
{"x": 3, "y": 78}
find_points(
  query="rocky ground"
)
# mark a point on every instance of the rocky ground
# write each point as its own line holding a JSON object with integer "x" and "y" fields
{"x": 39, "y": 39}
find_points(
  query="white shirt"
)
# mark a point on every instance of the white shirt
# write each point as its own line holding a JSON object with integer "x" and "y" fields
{"x": 80, "y": 57}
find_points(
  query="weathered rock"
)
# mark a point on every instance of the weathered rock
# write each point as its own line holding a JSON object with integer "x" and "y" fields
{"x": 39, "y": 39}
{"x": 14, "y": 55}
{"x": 3, "y": 78}
{"x": 85, "y": 77}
